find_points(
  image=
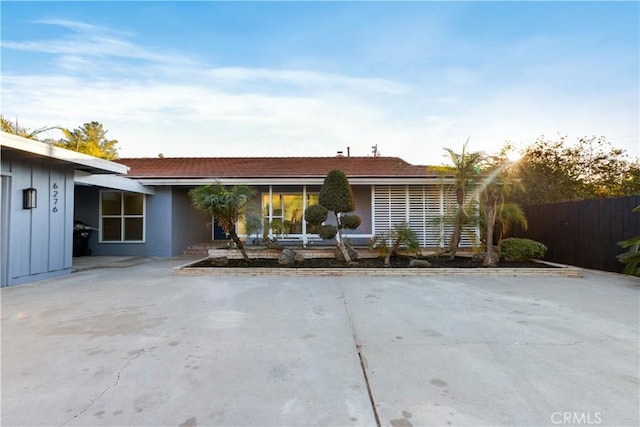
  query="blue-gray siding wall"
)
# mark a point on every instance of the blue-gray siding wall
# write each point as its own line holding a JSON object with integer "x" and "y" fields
{"x": 39, "y": 240}
{"x": 189, "y": 226}
{"x": 171, "y": 224}
{"x": 158, "y": 222}
{"x": 362, "y": 198}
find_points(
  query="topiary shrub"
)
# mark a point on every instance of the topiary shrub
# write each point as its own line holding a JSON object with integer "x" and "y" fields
{"x": 335, "y": 196}
{"x": 515, "y": 249}
{"x": 351, "y": 221}
{"x": 328, "y": 232}
{"x": 316, "y": 214}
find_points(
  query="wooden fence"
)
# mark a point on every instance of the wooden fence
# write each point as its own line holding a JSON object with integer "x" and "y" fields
{"x": 584, "y": 233}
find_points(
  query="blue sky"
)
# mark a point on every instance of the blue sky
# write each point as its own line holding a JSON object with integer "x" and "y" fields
{"x": 311, "y": 78}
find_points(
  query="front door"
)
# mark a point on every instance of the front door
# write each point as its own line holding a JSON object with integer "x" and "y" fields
{"x": 218, "y": 232}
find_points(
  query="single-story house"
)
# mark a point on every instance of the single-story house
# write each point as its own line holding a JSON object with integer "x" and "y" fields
{"x": 387, "y": 191}
{"x": 141, "y": 206}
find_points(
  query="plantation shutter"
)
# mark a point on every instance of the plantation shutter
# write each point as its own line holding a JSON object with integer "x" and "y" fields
{"x": 390, "y": 207}
{"x": 428, "y": 209}
{"x": 381, "y": 209}
{"x": 425, "y": 214}
{"x": 417, "y": 210}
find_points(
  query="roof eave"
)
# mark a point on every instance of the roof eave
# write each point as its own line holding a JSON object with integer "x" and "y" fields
{"x": 433, "y": 180}
{"x": 77, "y": 160}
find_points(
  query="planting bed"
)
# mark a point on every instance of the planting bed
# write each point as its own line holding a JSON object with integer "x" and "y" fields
{"x": 363, "y": 263}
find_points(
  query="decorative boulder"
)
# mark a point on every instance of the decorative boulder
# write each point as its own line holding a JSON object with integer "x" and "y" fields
{"x": 419, "y": 263}
{"x": 219, "y": 261}
{"x": 287, "y": 257}
{"x": 299, "y": 258}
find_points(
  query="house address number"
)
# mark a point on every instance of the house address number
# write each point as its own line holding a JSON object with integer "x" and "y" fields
{"x": 55, "y": 191}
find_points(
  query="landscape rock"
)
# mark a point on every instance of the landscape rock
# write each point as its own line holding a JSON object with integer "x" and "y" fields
{"x": 287, "y": 257}
{"x": 299, "y": 258}
{"x": 419, "y": 263}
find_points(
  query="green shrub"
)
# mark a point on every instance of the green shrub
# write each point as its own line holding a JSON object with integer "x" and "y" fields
{"x": 351, "y": 222}
{"x": 514, "y": 249}
{"x": 328, "y": 232}
{"x": 316, "y": 214}
{"x": 336, "y": 194}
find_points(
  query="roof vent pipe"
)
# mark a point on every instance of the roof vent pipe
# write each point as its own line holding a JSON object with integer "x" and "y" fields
{"x": 348, "y": 151}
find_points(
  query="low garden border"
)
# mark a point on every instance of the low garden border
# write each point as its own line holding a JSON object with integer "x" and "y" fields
{"x": 556, "y": 270}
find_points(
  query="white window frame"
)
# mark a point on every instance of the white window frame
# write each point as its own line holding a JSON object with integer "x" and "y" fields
{"x": 122, "y": 217}
{"x": 270, "y": 217}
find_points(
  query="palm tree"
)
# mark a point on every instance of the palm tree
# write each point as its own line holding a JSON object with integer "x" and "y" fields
{"x": 495, "y": 210}
{"x": 509, "y": 214}
{"x": 227, "y": 206}
{"x": 465, "y": 169}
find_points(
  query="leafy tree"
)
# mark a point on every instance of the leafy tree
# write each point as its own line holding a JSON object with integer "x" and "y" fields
{"x": 466, "y": 167}
{"x": 227, "y": 206}
{"x": 553, "y": 171}
{"x": 335, "y": 196}
{"x": 14, "y": 128}
{"x": 89, "y": 139}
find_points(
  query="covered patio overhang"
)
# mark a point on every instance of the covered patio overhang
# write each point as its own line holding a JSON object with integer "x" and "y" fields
{"x": 113, "y": 182}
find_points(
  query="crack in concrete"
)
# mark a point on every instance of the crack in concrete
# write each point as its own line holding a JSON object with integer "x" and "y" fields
{"x": 115, "y": 383}
{"x": 363, "y": 359}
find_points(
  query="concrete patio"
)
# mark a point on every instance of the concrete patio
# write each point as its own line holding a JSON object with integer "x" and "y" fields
{"x": 136, "y": 345}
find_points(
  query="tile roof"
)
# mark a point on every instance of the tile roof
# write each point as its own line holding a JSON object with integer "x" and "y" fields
{"x": 272, "y": 167}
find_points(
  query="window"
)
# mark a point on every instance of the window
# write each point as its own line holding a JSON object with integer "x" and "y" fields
{"x": 288, "y": 212}
{"x": 121, "y": 216}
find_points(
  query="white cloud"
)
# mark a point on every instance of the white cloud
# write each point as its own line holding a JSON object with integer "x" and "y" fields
{"x": 307, "y": 79}
{"x": 92, "y": 42}
{"x": 171, "y": 104}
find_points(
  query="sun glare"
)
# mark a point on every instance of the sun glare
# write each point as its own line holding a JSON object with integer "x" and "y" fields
{"x": 513, "y": 156}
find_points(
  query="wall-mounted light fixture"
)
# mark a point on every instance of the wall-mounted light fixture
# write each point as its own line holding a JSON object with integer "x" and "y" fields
{"x": 29, "y": 198}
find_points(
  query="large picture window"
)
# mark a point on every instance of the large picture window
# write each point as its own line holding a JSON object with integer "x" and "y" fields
{"x": 288, "y": 211}
{"x": 121, "y": 216}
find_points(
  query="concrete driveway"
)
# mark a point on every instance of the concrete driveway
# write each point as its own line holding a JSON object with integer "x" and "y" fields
{"x": 138, "y": 346}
